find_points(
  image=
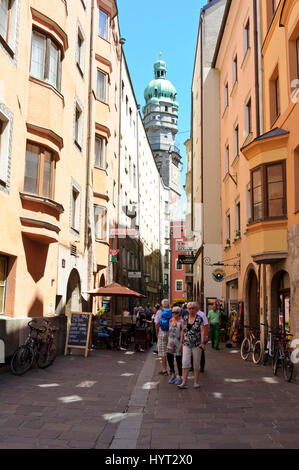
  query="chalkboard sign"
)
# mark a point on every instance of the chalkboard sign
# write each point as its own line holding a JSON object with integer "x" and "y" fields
{"x": 78, "y": 332}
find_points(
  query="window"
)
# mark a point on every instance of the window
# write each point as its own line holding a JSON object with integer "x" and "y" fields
{"x": 130, "y": 112}
{"x": 179, "y": 286}
{"x": 5, "y": 135}
{"x": 225, "y": 96}
{"x": 75, "y": 209}
{"x": 104, "y": 25}
{"x": 114, "y": 193}
{"x": 248, "y": 118}
{"x": 226, "y": 159}
{"x": 100, "y": 152}
{"x": 8, "y": 25}
{"x": 297, "y": 55}
{"x": 130, "y": 169}
{"x": 3, "y": 278}
{"x": 274, "y": 96}
{"x": 39, "y": 171}
{"x": 5, "y": 12}
{"x": 235, "y": 69}
{"x": 246, "y": 37}
{"x": 78, "y": 126}
{"x": 102, "y": 81}
{"x": 237, "y": 219}
{"x": 45, "y": 59}
{"x": 269, "y": 191}
{"x": 127, "y": 105}
{"x": 228, "y": 228}
{"x": 100, "y": 216}
{"x": 178, "y": 266}
{"x": 236, "y": 141}
{"x": 80, "y": 51}
{"x": 248, "y": 203}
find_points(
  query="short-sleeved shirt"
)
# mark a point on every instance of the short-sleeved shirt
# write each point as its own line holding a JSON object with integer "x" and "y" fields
{"x": 192, "y": 335}
{"x": 214, "y": 317}
{"x": 157, "y": 320}
{"x": 204, "y": 317}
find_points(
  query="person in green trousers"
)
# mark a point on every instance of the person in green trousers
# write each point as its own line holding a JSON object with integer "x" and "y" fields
{"x": 214, "y": 321}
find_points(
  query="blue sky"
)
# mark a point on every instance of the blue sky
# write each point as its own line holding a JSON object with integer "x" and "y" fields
{"x": 170, "y": 27}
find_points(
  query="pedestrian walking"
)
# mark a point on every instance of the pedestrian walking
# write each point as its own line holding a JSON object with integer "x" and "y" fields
{"x": 162, "y": 329}
{"x": 214, "y": 319}
{"x": 155, "y": 338}
{"x": 193, "y": 342}
{"x": 206, "y": 338}
{"x": 175, "y": 345}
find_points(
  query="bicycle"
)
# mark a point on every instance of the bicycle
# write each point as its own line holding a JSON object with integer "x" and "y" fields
{"x": 283, "y": 358}
{"x": 271, "y": 344}
{"x": 47, "y": 349}
{"x": 23, "y": 358}
{"x": 248, "y": 343}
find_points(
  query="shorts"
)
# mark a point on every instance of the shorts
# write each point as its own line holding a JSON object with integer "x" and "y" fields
{"x": 162, "y": 345}
{"x": 187, "y": 357}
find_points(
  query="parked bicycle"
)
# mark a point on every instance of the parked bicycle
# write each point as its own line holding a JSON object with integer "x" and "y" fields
{"x": 47, "y": 349}
{"x": 283, "y": 356}
{"x": 248, "y": 345}
{"x": 37, "y": 349}
{"x": 23, "y": 358}
{"x": 271, "y": 344}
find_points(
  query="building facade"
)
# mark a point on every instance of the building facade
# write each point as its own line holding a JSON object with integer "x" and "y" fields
{"x": 205, "y": 225}
{"x": 178, "y": 271}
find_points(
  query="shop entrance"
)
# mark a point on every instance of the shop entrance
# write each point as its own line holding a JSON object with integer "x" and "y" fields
{"x": 280, "y": 293}
{"x": 253, "y": 301}
{"x": 73, "y": 293}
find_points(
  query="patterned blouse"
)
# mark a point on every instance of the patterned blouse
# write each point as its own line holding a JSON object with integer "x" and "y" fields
{"x": 192, "y": 334}
{"x": 175, "y": 328}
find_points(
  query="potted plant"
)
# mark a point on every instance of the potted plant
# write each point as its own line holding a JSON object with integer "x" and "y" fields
{"x": 237, "y": 234}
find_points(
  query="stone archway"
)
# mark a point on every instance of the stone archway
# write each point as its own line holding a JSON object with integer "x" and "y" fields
{"x": 73, "y": 293}
{"x": 253, "y": 300}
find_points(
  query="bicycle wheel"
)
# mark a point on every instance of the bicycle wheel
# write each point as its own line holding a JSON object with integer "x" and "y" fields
{"x": 258, "y": 352}
{"x": 22, "y": 360}
{"x": 245, "y": 349}
{"x": 46, "y": 355}
{"x": 277, "y": 361}
{"x": 288, "y": 367}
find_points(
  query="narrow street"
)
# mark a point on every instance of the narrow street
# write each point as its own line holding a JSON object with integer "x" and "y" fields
{"x": 117, "y": 400}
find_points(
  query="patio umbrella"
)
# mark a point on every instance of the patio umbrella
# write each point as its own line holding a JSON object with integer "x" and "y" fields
{"x": 115, "y": 290}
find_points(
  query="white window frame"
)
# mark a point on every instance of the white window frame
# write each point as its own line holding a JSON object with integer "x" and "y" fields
{"x": 78, "y": 130}
{"x": 176, "y": 285}
{"x": 106, "y": 34}
{"x": 178, "y": 266}
{"x": 75, "y": 213}
{"x": 246, "y": 37}
{"x": 226, "y": 159}
{"x": 103, "y": 159}
{"x": 248, "y": 117}
{"x": 80, "y": 51}
{"x": 102, "y": 95}
{"x": 48, "y": 43}
{"x": 5, "y": 143}
{"x": 101, "y": 231}
{"x": 9, "y": 42}
{"x": 236, "y": 138}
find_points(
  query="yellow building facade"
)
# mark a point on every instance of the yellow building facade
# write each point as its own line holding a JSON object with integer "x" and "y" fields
{"x": 59, "y": 108}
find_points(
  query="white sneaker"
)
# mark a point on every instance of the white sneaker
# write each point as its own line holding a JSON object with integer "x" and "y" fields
{"x": 196, "y": 386}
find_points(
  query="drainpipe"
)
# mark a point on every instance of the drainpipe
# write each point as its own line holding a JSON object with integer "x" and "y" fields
{"x": 201, "y": 161}
{"x": 260, "y": 66}
{"x": 256, "y": 67}
{"x": 89, "y": 138}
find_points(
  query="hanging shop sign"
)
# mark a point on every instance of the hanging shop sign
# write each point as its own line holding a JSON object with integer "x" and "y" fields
{"x": 113, "y": 254}
{"x": 186, "y": 259}
{"x": 219, "y": 275}
{"x": 134, "y": 275}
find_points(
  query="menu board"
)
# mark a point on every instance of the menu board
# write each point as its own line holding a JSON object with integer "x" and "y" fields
{"x": 78, "y": 332}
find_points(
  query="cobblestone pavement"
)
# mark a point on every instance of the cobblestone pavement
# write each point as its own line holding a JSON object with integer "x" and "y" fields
{"x": 117, "y": 400}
